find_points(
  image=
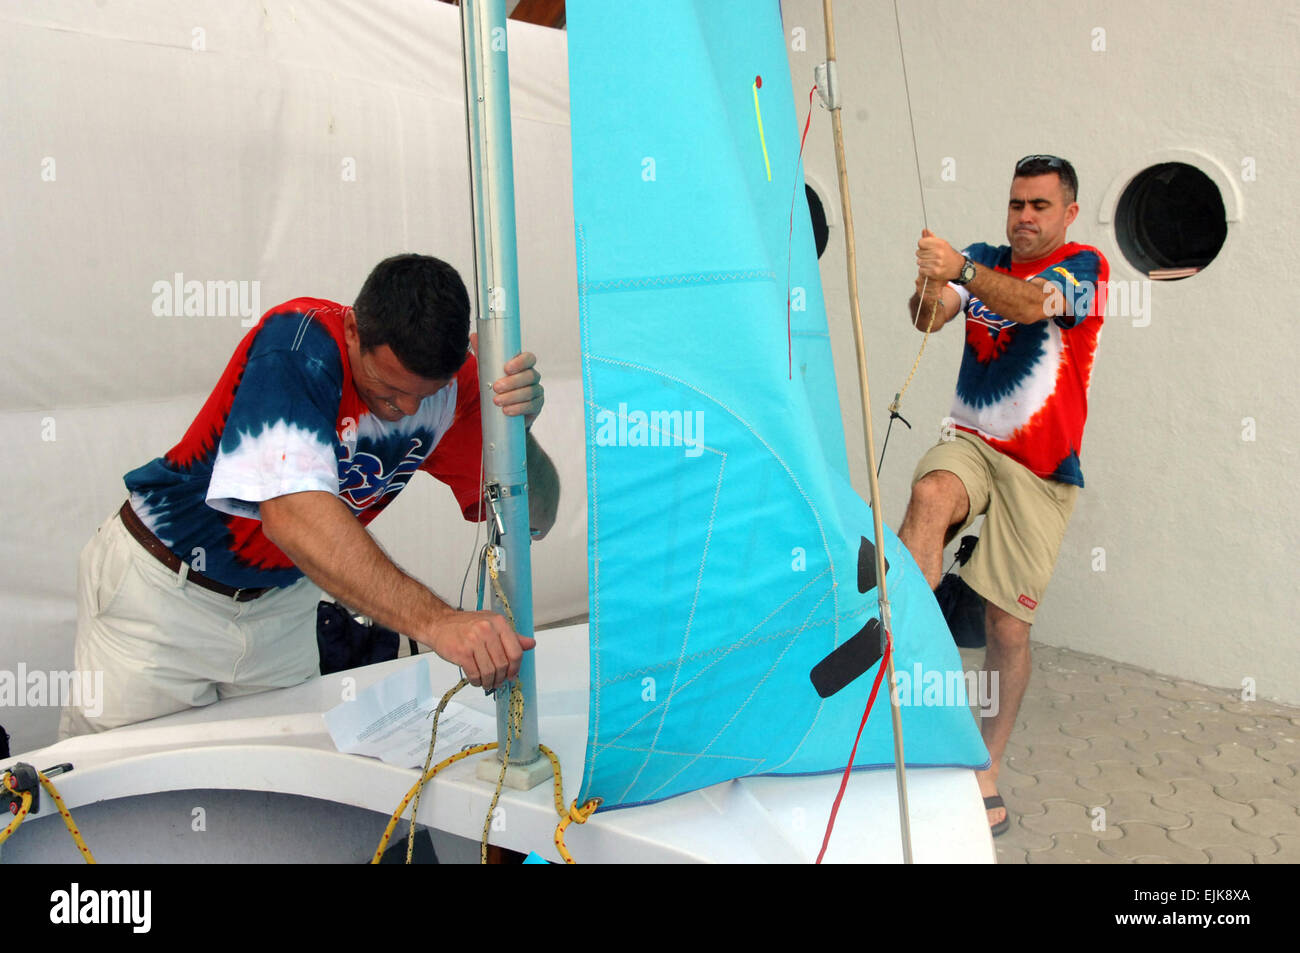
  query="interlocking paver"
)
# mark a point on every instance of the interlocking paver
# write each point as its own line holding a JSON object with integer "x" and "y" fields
{"x": 1071, "y": 683}
{"x": 1152, "y": 719}
{"x": 1236, "y": 757}
{"x": 1230, "y": 855}
{"x": 1271, "y": 818}
{"x": 1179, "y": 763}
{"x": 1092, "y": 700}
{"x": 1123, "y": 776}
{"x": 1279, "y": 750}
{"x": 1190, "y": 692}
{"x": 1128, "y": 806}
{"x": 1062, "y": 785}
{"x": 1071, "y": 848}
{"x": 1099, "y": 724}
{"x": 1161, "y": 740}
{"x": 1210, "y": 829}
{"x": 1148, "y": 840}
{"x": 1192, "y": 795}
{"x": 1250, "y": 786}
{"x": 1067, "y": 661}
{"x": 1136, "y": 677}
{"x": 1053, "y": 757}
{"x": 1024, "y": 839}
{"x": 1213, "y": 733}
{"x": 1010, "y": 779}
{"x": 1138, "y": 697}
{"x": 1110, "y": 749}
{"x": 1185, "y": 773}
{"x": 1056, "y": 738}
{"x": 1064, "y": 817}
{"x": 1288, "y": 850}
{"x": 1291, "y": 784}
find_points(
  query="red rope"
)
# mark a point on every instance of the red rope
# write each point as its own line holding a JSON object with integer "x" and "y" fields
{"x": 844, "y": 781}
{"x": 789, "y": 254}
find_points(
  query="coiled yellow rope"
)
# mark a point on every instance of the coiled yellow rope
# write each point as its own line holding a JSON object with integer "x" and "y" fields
{"x": 514, "y": 729}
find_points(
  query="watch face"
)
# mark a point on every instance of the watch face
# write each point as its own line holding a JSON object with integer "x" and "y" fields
{"x": 967, "y": 272}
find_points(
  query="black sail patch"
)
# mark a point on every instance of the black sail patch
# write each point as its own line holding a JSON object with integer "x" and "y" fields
{"x": 867, "y": 566}
{"x": 849, "y": 661}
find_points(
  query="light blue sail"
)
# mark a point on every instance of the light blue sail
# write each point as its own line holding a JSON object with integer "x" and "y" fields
{"x": 724, "y": 536}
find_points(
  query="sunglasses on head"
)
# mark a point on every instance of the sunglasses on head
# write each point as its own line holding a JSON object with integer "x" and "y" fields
{"x": 1052, "y": 162}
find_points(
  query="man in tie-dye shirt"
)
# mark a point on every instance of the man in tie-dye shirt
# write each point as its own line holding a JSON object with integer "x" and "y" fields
{"x": 205, "y": 584}
{"x": 1011, "y": 450}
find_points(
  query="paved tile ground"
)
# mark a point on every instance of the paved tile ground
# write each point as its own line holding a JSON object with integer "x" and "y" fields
{"x": 1111, "y": 764}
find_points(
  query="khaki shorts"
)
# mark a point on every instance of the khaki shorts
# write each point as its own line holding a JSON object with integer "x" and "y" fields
{"x": 1025, "y": 518}
{"x": 155, "y": 643}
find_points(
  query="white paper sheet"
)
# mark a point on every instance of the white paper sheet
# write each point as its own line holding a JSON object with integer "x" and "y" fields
{"x": 392, "y": 720}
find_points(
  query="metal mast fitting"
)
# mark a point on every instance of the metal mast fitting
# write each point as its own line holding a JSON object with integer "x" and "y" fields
{"x": 505, "y": 472}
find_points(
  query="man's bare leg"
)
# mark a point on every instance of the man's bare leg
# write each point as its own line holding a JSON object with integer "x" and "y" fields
{"x": 1007, "y": 654}
{"x": 938, "y": 502}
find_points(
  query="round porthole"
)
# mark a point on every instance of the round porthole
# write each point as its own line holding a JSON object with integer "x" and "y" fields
{"x": 1170, "y": 222}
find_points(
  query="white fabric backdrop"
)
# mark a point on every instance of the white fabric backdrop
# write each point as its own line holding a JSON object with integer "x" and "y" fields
{"x": 287, "y": 146}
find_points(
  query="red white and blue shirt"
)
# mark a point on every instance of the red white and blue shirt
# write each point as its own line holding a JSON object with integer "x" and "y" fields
{"x": 1023, "y": 388}
{"x": 285, "y": 418}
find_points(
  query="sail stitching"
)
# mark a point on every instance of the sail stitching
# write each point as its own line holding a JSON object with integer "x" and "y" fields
{"x": 678, "y": 280}
{"x": 821, "y": 529}
{"x": 593, "y": 627}
{"x": 745, "y": 704}
{"x": 690, "y": 620}
{"x": 681, "y": 754}
{"x": 724, "y": 651}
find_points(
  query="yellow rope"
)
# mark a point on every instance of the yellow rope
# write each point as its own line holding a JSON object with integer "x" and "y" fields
{"x": 424, "y": 775}
{"x": 53, "y": 792}
{"x": 515, "y": 711}
{"x": 934, "y": 311}
{"x": 401, "y": 808}
{"x": 18, "y": 818}
{"x": 514, "y": 728}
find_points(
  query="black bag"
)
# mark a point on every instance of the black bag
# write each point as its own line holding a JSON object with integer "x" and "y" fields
{"x": 962, "y": 606}
{"x": 346, "y": 643}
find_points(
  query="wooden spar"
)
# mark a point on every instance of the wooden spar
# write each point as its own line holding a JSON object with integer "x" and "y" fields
{"x": 832, "y": 98}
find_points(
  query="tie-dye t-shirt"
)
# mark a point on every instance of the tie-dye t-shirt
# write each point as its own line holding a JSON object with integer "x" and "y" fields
{"x": 1023, "y": 388}
{"x": 284, "y": 418}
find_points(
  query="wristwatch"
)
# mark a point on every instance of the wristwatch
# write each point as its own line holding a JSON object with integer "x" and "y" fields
{"x": 966, "y": 274}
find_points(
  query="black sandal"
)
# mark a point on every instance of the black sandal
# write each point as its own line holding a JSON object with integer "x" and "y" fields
{"x": 1002, "y": 826}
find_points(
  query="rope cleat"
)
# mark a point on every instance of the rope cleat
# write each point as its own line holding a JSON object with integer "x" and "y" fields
{"x": 20, "y": 779}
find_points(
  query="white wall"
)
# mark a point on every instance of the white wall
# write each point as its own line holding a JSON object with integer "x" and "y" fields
{"x": 1198, "y": 525}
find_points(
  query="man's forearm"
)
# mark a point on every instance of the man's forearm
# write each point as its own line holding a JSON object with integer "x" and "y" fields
{"x": 543, "y": 489}
{"x": 1025, "y": 302}
{"x": 933, "y": 311}
{"x": 319, "y": 533}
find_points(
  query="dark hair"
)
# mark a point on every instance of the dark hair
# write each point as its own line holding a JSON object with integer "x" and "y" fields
{"x": 1042, "y": 165}
{"x": 418, "y": 306}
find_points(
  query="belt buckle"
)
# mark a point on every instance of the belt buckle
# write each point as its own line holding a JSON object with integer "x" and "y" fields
{"x": 239, "y": 595}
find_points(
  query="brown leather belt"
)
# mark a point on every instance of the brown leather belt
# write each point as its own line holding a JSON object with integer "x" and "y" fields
{"x": 173, "y": 562}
